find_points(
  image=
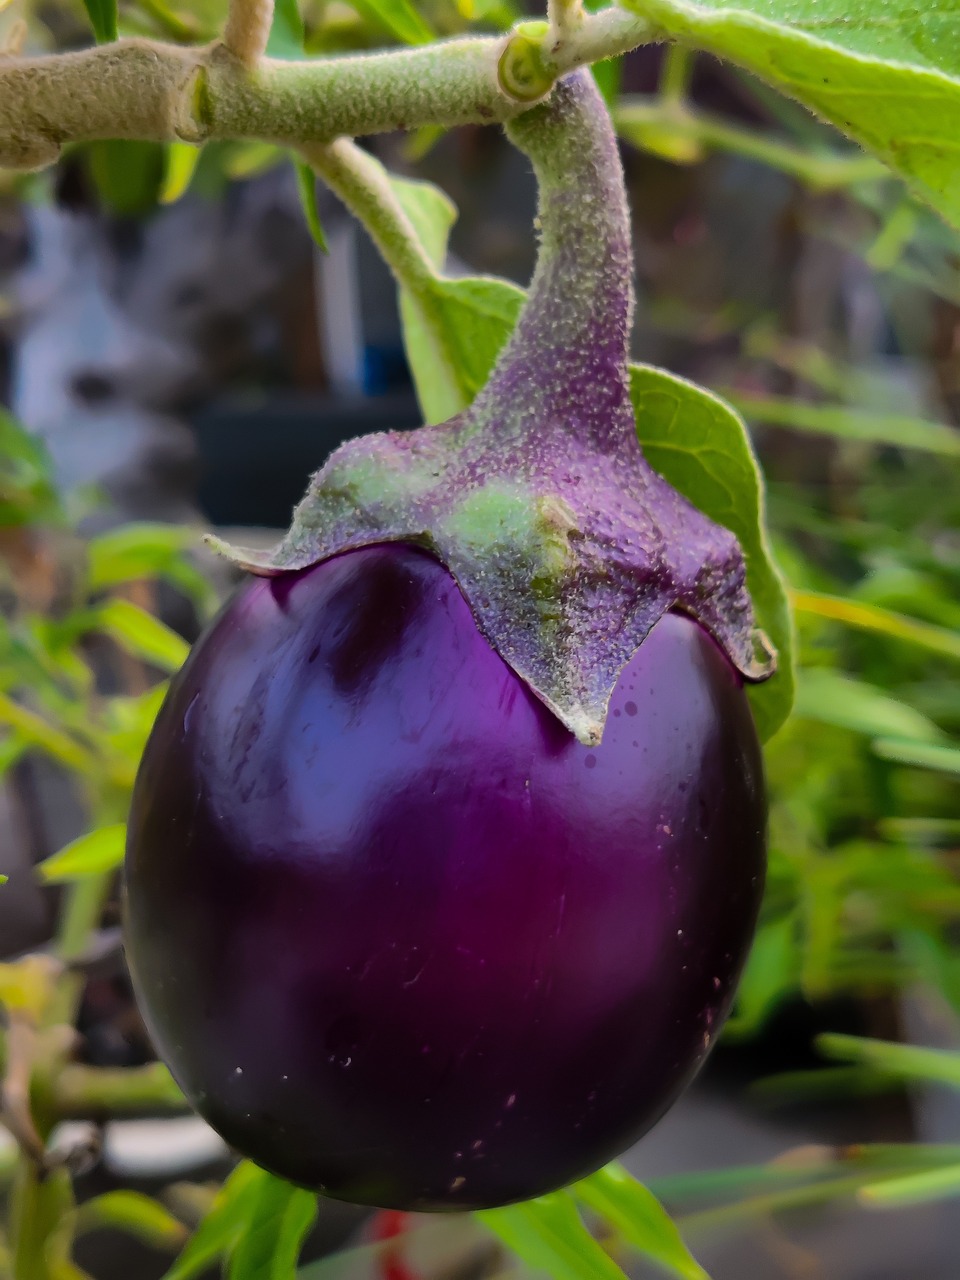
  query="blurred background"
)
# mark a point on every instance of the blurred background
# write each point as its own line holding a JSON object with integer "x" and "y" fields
{"x": 176, "y": 353}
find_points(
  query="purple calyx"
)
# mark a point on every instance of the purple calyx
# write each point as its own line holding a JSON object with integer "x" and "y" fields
{"x": 567, "y": 546}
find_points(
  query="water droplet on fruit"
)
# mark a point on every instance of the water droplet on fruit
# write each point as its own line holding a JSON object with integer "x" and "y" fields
{"x": 238, "y": 1071}
{"x": 509, "y": 1102}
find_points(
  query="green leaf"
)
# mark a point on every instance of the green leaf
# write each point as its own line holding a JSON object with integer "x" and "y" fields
{"x": 772, "y": 972}
{"x": 27, "y": 493}
{"x": 700, "y": 446}
{"x": 143, "y": 550}
{"x": 399, "y": 17}
{"x": 833, "y": 698}
{"x": 640, "y": 1218}
{"x": 548, "y": 1235}
{"x": 182, "y": 161}
{"x": 286, "y": 32}
{"x": 921, "y": 755}
{"x": 103, "y": 19}
{"x": 475, "y": 314}
{"x": 280, "y": 1216}
{"x": 851, "y": 424}
{"x": 888, "y": 76}
{"x": 134, "y": 1213}
{"x": 140, "y": 634}
{"x": 128, "y": 175}
{"x": 91, "y": 855}
{"x": 307, "y": 188}
{"x": 882, "y": 622}
{"x": 916, "y": 1188}
{"x": 906, "y": 1061}
{"x": 222, "y": 1227}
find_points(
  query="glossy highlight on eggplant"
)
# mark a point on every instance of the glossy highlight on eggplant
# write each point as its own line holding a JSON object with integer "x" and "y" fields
{"x": 401, "y": 937}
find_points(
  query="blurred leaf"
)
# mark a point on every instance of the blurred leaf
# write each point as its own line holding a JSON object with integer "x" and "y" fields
{"x": 833, "y": 698}
{"x": 247, "y": 159}
{"x": 850, "y": 424}
{"x": 917, "y": 1188}
{"x": 182, "y": 161}
{"x": 906, "y": 1061}
{"x": 609, "y": 76}
{"x": 700, "y": 446}
{"x": 945, "y": 759}
{"x": 286, "y": 32}
{"x": 883, "y": 622}
{"x": 27, "y": 493}
{"x": 548, "y": 1235}
{"x": 639, "y": 1217}
{"x": 91, "y": 855}
{"x": 144, "y": 551}
{"x": 280, "y": 1215}
{"x": 890, "y": 78}
{"x": 307, "y": 188}
{"x": 134, "y": 1213}
{"x": 772, "y": 972}
{"x": 128, "y": 175}
{"x": 140, "y": 633}
{"x": 222, "y": 1227}
{"x": 103, "y": 19}
{"x": 399, "y": 17}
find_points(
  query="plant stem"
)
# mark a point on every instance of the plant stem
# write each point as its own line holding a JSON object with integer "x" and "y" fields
{"x": 90, "y": 1093}
{"x": 146, "y": 89}
{"x": 363, "y": 185}
{"x": 38, "y": 1205}
{"x": 634, "y": 117}
{"x": 676, "y": 73}
{"x": 248, "y": 29}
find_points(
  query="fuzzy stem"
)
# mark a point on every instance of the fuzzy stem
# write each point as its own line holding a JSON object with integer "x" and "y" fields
{"x": 248, "y": 29}
{"x": 364, "y": 187}
{"x": 148, "y": 90}
{"x": 581, "y": 296}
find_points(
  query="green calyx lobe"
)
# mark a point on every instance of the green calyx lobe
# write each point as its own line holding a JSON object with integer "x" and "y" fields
{"x": 537, "y": 497}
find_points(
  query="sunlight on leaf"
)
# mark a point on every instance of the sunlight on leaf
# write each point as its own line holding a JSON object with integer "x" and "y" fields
{"x": 91, "y": 855}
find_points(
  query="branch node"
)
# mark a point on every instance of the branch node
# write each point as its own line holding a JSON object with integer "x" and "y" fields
{"x": 194, "y": 115}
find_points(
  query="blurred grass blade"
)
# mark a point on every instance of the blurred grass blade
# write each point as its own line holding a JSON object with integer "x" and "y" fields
{"x": 93, "y": 854}
{"x": 140, "y": 634}
{"x": 103, "y": 19}
{"x": 883, "y": 622}
{"x": 836, "y": 699}
{"x": 639, "y": 1217}
{"x": 399, "y": 17}
{"x": 849, "y": 424}
{"x": 932, "y": 1184}
{"x": 181, "y": 165}
{"x": 549, "y": 1236}
{"x": 307, "y": 188}
{"x": 278, "y": 1218}
{"x": 908, "y": 1062}
{"x": 136, "y": 1214}
{"x": 922, "y": 755}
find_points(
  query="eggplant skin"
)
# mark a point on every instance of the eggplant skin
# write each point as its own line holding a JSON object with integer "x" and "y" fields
{"x": 399, "y": 936}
